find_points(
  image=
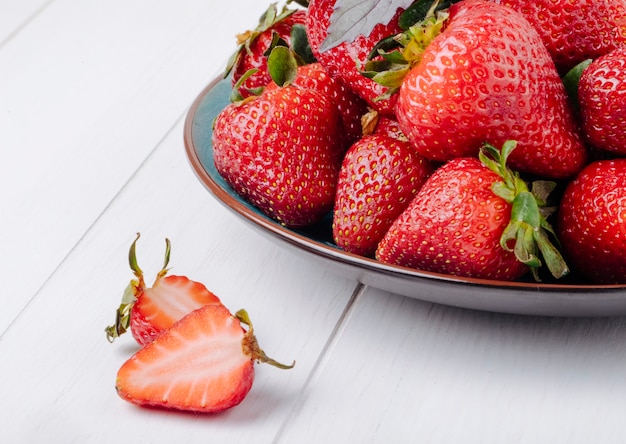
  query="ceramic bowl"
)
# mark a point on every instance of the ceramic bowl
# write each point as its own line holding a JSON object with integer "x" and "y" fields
{"x": 315, "y": 243}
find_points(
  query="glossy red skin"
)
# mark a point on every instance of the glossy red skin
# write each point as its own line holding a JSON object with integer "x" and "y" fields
{"x": 168, "y": 300}
{"x": 351, "y": 106}
{"x": 389, "y": 127}
{"x": 602, "y": 101}
{"x": 488, "y": 78}
{"x": 575, "y": 30}
{"x": 280, "y": 152}
{"x": 255, "y": 58}
{"x": 592, "y": 222}
{"x": 453, "y": 226}
{"x": 378, "y": 179}
{"x": 344, "y": 60}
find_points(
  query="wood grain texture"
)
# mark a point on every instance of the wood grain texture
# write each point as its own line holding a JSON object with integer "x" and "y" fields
{"x": 15, "y": 16}
{"x": 407, "y": 371}
{"x": 88, "y": 90}
{"x": 92, "y": 101}
{"x": 70, "y": 367}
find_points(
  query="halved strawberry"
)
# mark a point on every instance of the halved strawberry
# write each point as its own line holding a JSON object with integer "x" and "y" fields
{"x": 204, "y": 363}
{"x": 147, "y": 311}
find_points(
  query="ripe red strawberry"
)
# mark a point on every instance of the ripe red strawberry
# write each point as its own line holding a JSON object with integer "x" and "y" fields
{"x": 575, "y": 30}
{"x": 475, "y": 219}
{"x": 279, "y": 151}
{"x": 488, "y": 78}
{"x": 204, "y": 363}
{"x": 351, "y": 106}
{"x": 602, "y": 102}
{"x": 255, "y": 45}
{"x": 592, "y": 222}
{"x": 378, "y": 179}
{"x": 148, "y": 311}
{"x": 345, "y": 60}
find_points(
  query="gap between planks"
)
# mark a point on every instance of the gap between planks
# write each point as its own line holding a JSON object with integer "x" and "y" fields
{"x": 323, "y": 358}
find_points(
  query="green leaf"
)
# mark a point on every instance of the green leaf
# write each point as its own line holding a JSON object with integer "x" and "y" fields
{"x": 391, "y": 79}
{"x": 419, "y": 9}
{"x": 235, "y": 95}
{"x": 282, "y": 65}
{"x": 571, "y": 80}
{"x": 528, "y": 230}
{"x": 300, "y": 44}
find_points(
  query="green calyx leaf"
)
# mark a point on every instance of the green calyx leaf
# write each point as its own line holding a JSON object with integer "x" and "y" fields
{"x": 235, "y": 94}
{"x": 571, "y": 81}
{"x": 282, "y": 64}
{"x": 528, "y": 234}
{"x": 122, "y": 314}
{"x": 392, "y": 58}
{"x": 268, "y": 19}
{"x": 420, "y": 9}
{"x": 300, "y": 44}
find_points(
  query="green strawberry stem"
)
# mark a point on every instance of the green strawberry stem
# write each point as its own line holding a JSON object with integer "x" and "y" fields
{"x": 528, "y": 230}
{"x": 268, "y": 19}
{"x": 250, "y": 345}
{"x": 122, "y": 314}
{"x": 399, "y": 53}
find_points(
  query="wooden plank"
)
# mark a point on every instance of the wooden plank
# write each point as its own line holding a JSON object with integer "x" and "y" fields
{"x": 15, "y": 16}
{"x": 86, "y": 95}
{"x": 407, "y": 371}
{"x": 58, "y": 371}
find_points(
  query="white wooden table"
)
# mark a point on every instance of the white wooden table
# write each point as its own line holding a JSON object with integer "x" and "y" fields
{"x": 93, "y": 96}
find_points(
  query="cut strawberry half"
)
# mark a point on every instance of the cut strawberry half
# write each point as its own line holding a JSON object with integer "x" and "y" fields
{"x": 147, "y": 311}
{"x": 204, "y": 363}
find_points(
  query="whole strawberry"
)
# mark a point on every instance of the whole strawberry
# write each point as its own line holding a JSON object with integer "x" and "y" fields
{"x": 314, "y": 76}
{"x": 378, "y": 179}
{"x": 473, "y": 218}
{"x": 274, "y": 28}
{"x": 345, "y": 60}
{"x": 279, "y": 151}
{"x": 602, "y": 102}
{"x": 592, "y": 222}
{"x": 204, "y": 363}
{"x": 148, "y": 311}
{"x": 575, "y": 30}
{"x": 487, "y": 77}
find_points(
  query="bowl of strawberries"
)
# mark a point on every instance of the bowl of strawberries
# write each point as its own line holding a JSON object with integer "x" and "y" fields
{"x": 452, "y": 151}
